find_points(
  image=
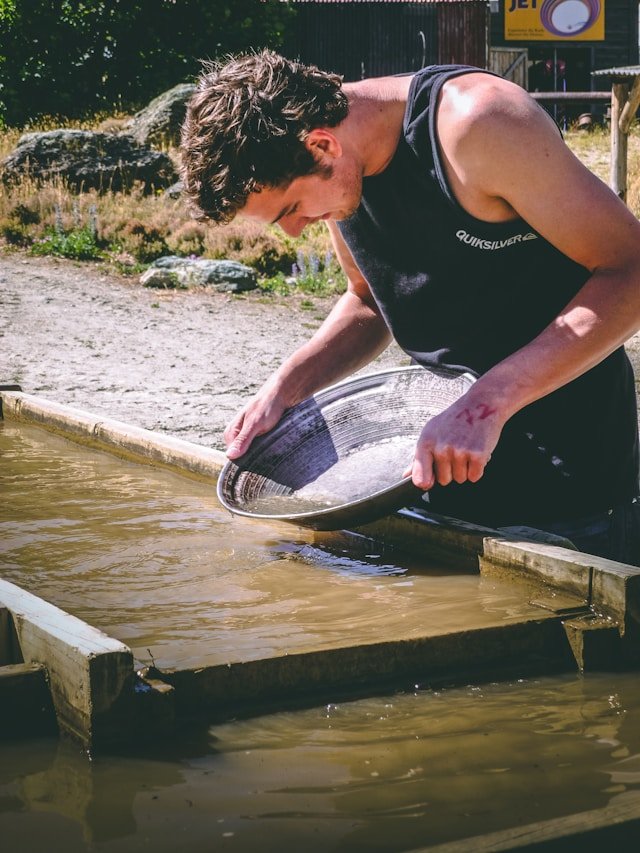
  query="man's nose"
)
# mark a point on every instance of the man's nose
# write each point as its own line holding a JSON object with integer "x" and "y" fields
{"x": 292, "y": 228}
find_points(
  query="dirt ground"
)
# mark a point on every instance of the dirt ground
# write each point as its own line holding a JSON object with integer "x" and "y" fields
{"x": 180, "y": 362}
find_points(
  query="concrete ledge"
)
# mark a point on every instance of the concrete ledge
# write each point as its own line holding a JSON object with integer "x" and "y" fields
{"x": 113, "y": 435}
{"x": 91, "y": 675}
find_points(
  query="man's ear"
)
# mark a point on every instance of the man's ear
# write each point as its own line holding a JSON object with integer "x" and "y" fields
{"x": 322, "y": 143}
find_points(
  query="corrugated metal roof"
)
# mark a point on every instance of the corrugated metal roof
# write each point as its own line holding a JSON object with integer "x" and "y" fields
{"x": 622, "y": 71}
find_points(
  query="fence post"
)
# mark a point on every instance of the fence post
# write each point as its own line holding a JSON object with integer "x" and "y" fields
{"x": 618, "y": 173}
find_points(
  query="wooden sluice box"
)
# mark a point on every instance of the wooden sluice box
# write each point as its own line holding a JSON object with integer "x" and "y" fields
{"x": 299, "y": 616}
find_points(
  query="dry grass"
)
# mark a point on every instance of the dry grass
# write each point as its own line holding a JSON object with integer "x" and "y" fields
{"x": 593, "y": 148}
{"x": 132, "y": 229}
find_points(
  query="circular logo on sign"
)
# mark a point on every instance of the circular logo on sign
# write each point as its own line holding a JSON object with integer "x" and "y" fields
{"x": 569, "y": 17}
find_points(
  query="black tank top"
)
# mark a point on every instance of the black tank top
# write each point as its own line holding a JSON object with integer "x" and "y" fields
{"x": 464, "y": 293}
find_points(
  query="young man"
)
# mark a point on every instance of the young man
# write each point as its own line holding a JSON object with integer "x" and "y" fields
{"x": 470, "y": 233}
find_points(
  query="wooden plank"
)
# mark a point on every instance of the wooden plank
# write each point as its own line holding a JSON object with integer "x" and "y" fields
{"x": 90, "y": 674}
{"x": 628, "y": 114}
{"x": 616, "y": 588}
{"x": 284, "y": 681}
{"x": 25, "y": 701}
{"x": 558, "y": 567}
{"x": 595, "y": 642}
{"x": 7, "y": 652}
{"x": 616, "y": 593}
{"x": 434, "y": 536}
{"x": 616, "y": 823}
{"x": 114, "y": 436}
{"x": 618, "y": 168}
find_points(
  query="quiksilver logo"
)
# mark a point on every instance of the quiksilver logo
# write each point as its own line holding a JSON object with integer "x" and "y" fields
{"x": 492, "y": 245}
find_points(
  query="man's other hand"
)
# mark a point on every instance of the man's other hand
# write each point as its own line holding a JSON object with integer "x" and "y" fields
{"x": 260, "y": 415}
{"x": 457, "y": 444}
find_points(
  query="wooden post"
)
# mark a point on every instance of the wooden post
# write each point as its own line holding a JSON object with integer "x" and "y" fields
{"x": 90, "y": 675}
{"x": 618, "y": 174}
{"x": 631, "y": 107}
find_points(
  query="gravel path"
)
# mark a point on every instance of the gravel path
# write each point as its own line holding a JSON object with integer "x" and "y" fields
{"x": 180, "y": 362}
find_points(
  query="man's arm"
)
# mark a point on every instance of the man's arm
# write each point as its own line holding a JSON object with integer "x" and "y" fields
{"x": 353, "y": 334}
{"x": 503, "y": 155}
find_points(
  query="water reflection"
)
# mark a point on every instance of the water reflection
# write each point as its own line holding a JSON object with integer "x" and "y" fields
{"x": 385, "y": 774}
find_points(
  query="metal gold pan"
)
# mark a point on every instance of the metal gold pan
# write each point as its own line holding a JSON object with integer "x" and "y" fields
{"x": 337, "y": 458}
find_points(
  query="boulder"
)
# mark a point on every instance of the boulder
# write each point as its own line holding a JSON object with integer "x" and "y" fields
{"x": 175, "y": 190}
{"x": 161, "y": 279}
{"x": 223, "y": 276}
{"x": 160, "y": 121}
{"x": 88, "y": 159}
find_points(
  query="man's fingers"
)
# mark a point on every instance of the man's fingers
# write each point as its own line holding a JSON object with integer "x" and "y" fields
{"x": 232, "y": 429}
{"x": 430, "y": 467}
{"x": 242, "y": 434}
{"x": 476, "y": 468}
{"x": 459, "y": 467}
{"x": 422, "y": 471}
{"x": 238, "y": 446}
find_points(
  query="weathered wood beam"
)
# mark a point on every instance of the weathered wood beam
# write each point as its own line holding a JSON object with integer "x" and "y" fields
{"x": 26, "y": 708}
{"x": 630, "y": 109}
{"x": 91, "y": 675}
{"x": 618, "y": 171}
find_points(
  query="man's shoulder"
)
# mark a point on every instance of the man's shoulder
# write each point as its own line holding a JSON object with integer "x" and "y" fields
{"x": 480, "y": 94}
{"x": 477, "y": 106}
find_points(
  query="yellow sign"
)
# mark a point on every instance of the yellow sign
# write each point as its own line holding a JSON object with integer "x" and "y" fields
{"x": 554, "y": 20}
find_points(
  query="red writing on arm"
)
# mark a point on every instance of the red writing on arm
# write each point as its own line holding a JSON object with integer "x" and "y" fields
{"x": 466, "y": 414}
{"x": 485, "y": 411}
{"x": 470, "y": 418}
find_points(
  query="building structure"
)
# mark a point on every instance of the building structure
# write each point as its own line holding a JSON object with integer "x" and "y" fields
{"x": 371, "y": 38}
{"x": 566, "y": 40}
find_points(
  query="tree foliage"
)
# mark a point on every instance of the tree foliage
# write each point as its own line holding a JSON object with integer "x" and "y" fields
{"x": 71, "y": 57}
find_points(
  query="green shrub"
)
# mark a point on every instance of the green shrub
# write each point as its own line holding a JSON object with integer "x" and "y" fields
{"x": 79, "y": 244}
{"x": 276, "y": 284}
{"x": 313, "y": 275}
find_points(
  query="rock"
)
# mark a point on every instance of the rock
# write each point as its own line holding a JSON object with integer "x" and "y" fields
{"x": 223, "y": 276}
{"x": 87, "y": 159}
{"x": 160, "y": 121}
{"x": 175, "y": 190}
{"x": 161, "y": 279}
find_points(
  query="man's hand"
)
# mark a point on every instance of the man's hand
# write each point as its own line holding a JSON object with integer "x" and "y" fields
{"x": 260, "y": 415}
{"x": 457, "y": 444}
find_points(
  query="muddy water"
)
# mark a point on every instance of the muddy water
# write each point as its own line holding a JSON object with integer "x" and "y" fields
{"x": 388, "y": 774}
{"x": 152, "y": 559}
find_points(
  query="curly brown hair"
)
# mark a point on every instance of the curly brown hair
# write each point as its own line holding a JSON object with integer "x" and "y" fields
{"x": 245, "y": 128}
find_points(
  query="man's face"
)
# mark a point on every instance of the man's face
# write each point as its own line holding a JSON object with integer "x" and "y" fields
{"x": 332, "y": 195}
